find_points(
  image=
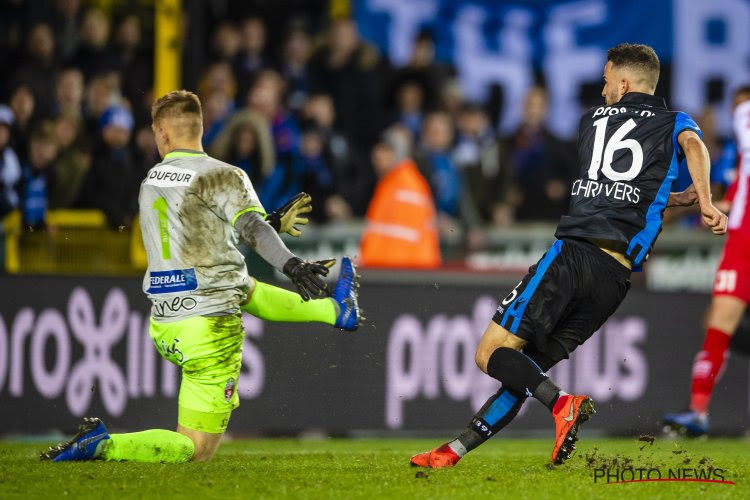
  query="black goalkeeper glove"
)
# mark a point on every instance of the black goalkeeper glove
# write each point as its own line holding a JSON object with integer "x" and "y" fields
{"x": 287, "y": 217}
{"x": 306, "y": 276}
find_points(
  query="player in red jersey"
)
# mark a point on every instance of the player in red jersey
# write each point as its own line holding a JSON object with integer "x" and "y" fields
{"x": 731, "y": 291}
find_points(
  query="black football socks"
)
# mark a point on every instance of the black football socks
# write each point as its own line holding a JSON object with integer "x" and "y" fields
{"x": 521, "y": 377}
{"x": 496, "y": 413}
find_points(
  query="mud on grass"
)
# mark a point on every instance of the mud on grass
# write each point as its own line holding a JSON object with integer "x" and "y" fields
{"x": 285, "y": 468}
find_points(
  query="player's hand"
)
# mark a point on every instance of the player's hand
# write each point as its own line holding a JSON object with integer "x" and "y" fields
{"x": 308, "y": 276}
{"x": 714, "y": 218}
{"x": 291, "y": 214}
{"x": 685, "y": 198}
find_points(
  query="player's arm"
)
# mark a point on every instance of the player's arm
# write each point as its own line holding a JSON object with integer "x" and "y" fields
{"x": 306, "y": 276}
{"x": 699, "y": 165}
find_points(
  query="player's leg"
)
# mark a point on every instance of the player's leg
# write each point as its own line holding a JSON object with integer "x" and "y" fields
{"x": 731, "y": 293}
{"x": 209, "y": 350}
{"x": 277, "y": 304}
{"x": 724, "y": 316}
{"x": 498, "y": 354}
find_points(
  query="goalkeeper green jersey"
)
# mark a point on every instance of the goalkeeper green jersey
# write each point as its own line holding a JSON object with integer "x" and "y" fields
{"x": 188, "y": 205}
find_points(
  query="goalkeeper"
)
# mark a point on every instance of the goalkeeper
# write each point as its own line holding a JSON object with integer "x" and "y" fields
{"x": 192, "y": 207}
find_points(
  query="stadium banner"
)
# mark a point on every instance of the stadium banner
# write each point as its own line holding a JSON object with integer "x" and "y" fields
{"x": 72, "y": 347}
{"x": 566, "y": 41}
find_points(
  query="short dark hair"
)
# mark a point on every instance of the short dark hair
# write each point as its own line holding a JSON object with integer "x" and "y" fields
{"x": 639, "y": 57}
{"x": 179, "y": 103}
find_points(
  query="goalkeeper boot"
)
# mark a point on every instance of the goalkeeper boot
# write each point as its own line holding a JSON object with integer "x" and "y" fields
{"x": 345, "y": 295}
{"x": 83, "y": 445}
{"x": 569, "y": 415}
{"x": 686, "y": 423}
{"x": 439, "y": 458}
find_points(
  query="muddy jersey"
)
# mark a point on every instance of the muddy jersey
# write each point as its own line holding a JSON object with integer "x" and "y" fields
{"x": 188, "y": 205}
{"x": 629, "y": 157}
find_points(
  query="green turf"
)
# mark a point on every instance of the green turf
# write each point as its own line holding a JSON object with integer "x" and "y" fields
{"x": 285, "y": 468}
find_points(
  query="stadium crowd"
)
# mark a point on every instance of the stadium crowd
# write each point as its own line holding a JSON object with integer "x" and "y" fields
{"x": 322, "y": 111}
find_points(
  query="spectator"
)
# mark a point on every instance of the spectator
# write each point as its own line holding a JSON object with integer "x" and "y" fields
{"x": 482, "y": 159}
{"x": 265, "y": 99}
{"x": 37, "y": 175}
{"x": 103, "y": 92}
{"x": 251, "y": 58}
{"x": 222, "y": 147}
{"x": 216, "y": 90}
{"x": 10, "y": 168}
{"x": 438, "y": 165}
{"x": 424, "y": 71}
{"x": 38, "y": 65}
{"x": 225, "y": 43}
{"x": 400, "y": 228}
{"x": 410, "y": 106}
{"x": 109, "y": 183}
{"x": 244, "y": 151}
{"x": 295, "y": 56}
{"x": 93, "y": 56}
{"x": 136, "y": 63}
{"x": 317, "y": 177}
{"x": 23, "y": 105}
{"x": 353, "y": 177}
{"x": 350, "y": 71}
{"x": 65, "y": 23}
{"x": 72, "y": 163}
{"x": 544, "y": 165}
{"x": 69, "y": 90}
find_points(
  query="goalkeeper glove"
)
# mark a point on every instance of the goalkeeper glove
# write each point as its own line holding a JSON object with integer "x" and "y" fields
{"x": 285, "y": 218}
{"x": 306, "y": 276}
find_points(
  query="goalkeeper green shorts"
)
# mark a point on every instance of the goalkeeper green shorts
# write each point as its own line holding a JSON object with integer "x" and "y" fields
{"x": 209, "y": 351}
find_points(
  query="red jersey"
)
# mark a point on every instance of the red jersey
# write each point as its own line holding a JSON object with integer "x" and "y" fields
{"x": 739, "y": 192}
{"x": 733, "y": 274}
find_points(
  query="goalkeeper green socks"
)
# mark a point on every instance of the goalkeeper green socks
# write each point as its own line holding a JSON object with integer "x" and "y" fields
{"x": 151, "y": 446}
{"x": 276, "y": 304}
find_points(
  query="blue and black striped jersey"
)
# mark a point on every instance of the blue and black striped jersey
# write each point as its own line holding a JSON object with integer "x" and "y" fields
{"x": 629, "y": 157}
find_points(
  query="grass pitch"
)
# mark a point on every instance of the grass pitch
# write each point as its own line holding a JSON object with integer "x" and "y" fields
{"x": 335, "y": 468}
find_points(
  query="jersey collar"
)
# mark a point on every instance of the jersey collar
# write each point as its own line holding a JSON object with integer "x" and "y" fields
{"x": 183, "y": 153}
{"x": 645, "y": 99}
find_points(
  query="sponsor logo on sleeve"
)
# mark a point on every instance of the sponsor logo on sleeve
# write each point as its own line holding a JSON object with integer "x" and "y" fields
{"x": 175, "y": 280}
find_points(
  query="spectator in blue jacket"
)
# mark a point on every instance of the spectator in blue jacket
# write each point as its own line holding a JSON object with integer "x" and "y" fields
{"x": 438, "y": 164}
{"x": 37, "y": 174}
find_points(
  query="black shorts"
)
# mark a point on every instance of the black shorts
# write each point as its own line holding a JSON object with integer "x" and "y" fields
{"x": 564, "y": 299}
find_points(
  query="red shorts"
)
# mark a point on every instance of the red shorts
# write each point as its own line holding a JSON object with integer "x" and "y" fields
{"x": 733, "y": 274}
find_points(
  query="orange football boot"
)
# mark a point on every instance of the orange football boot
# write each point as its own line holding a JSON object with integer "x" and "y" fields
{"x": 439, "y": 458}
{"x": 574, "y": 411}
